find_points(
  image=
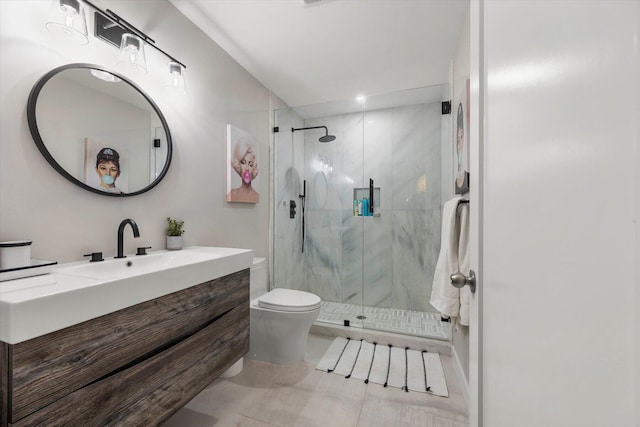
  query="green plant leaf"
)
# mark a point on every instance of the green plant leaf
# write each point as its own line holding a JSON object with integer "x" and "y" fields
{"x": 175, "y": 227}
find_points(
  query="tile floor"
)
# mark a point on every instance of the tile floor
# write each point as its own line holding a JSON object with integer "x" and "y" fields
{"x": 301, "y": 396}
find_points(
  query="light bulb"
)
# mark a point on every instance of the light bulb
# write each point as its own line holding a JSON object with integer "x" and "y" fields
{"x": 132, "y": 52}
{"x": 175, "y": 79}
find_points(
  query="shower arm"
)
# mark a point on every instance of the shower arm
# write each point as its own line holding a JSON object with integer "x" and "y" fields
{"x": 326, "y": 130}
{"x": 325, "y": 138}
{"x": 312, "y": 127}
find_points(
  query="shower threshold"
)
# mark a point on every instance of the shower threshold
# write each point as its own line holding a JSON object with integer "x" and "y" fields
{"x": 416, "y": 323}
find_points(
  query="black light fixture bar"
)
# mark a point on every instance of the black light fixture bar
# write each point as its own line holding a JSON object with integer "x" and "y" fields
{"x": 122, "y": 22}
{"x": 109, "y": 27}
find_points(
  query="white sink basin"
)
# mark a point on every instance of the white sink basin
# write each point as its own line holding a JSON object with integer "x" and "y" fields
{"x": 80, "y": 291}
{"x": 134, "y": 265}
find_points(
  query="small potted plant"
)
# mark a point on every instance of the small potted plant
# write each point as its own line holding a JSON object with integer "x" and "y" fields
{"x": 175, "y": 231}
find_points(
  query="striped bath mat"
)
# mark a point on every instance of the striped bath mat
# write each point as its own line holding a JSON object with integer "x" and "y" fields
{"x": 383, "y": 364}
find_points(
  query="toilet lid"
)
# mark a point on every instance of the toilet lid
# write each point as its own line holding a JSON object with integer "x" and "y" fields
{"x": 289, "y": 300}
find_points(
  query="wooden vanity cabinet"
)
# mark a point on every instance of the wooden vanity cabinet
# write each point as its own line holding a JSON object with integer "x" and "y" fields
{"x": 136, "y": 366}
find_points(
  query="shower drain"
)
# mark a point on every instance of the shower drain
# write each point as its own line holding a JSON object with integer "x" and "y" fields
{"x": 361, "y": 317}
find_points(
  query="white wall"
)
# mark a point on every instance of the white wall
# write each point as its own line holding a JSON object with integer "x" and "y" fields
{"x": 460, "y": 335}
{"x": 65, "y": 221}
{"x": 560, "y": 303}
{"x": 637, "y": 227}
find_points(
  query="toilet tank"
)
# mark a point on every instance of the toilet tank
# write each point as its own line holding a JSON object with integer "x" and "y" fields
{"x": 259, "y": 278}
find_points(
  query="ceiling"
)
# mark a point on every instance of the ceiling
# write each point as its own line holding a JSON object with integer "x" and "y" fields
{"x": 315, "y": 51}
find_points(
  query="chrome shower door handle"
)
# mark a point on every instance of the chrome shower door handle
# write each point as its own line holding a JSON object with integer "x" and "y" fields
{"x": 458, "y": 280}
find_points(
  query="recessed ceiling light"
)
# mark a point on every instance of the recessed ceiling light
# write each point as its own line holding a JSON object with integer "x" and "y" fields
{"x": 361, "y": 99}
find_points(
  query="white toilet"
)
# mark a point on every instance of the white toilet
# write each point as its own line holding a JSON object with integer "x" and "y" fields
{"x": 280, "y": 319}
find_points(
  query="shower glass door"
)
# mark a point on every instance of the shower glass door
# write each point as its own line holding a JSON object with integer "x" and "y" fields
{"x": 371, "y": 269}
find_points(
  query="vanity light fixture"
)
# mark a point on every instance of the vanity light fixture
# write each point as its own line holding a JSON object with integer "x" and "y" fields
{"x": 175, "y": 79}
{"x": 114, "y": 30}
{"x": 132, "y": 52}
{"x": 67, "y": 17}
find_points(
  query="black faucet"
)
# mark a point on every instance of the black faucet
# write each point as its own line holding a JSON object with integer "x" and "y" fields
{"x": 136, "y": 233}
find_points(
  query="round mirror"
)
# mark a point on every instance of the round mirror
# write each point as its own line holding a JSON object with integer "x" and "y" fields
{"x": 99, "y": 130}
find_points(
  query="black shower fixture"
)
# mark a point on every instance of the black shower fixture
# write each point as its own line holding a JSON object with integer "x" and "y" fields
{"x": 325, "y": 138}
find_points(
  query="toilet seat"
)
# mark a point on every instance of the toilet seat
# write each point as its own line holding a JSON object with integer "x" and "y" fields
{"x": 289, "y": 300}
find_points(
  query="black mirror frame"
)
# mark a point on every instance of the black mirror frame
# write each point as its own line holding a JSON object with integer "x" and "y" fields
{"x": 35, "y": 133}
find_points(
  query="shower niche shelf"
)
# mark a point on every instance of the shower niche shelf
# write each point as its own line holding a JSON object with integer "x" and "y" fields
{"x": 363, "y": 193}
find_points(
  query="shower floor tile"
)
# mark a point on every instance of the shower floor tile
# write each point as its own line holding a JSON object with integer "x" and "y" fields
{"x": 407, "y": 322}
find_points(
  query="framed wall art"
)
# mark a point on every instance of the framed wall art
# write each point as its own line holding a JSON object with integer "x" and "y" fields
{"x": 461, "y": 139}
{"x": 242, "y": 166}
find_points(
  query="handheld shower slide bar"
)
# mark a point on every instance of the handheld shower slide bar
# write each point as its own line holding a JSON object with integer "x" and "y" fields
{"x": 303, "y": 198}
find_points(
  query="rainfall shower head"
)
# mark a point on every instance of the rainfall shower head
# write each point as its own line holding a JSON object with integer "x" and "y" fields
{"x": 325, "y": 138}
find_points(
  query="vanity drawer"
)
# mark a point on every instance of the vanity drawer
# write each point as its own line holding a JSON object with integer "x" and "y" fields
{"x": 149, "y": 392}
{"x": 47, "y": 368}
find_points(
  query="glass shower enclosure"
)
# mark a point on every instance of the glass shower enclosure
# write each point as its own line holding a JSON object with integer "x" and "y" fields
{"x": 357, "y": 220}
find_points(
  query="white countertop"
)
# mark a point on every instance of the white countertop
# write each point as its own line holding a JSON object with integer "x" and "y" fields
{"x": 80, "y": 291}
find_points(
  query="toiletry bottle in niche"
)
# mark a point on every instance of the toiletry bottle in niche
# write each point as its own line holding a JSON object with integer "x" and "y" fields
{"x": 359, "y": 207}
{"x": 365, "y": 207}
{"x": 355, "y": 207}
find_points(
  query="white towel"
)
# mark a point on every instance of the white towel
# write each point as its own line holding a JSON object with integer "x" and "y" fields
{"x": 362, "y": 369}
{"x": 464, "y": 263}
{"x": 380, "y": 366}
{"x": 415, "y": 365}
{"x": 332, "y": 356}
{"x": 444, "y": 296}
{"x": 348, "y": 358}
{"x": 397, "y": 368}
{"x": 390, "y": 366}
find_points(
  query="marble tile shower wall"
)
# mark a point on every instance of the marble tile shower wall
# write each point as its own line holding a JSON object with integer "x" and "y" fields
{"x": 394, "y": 255}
